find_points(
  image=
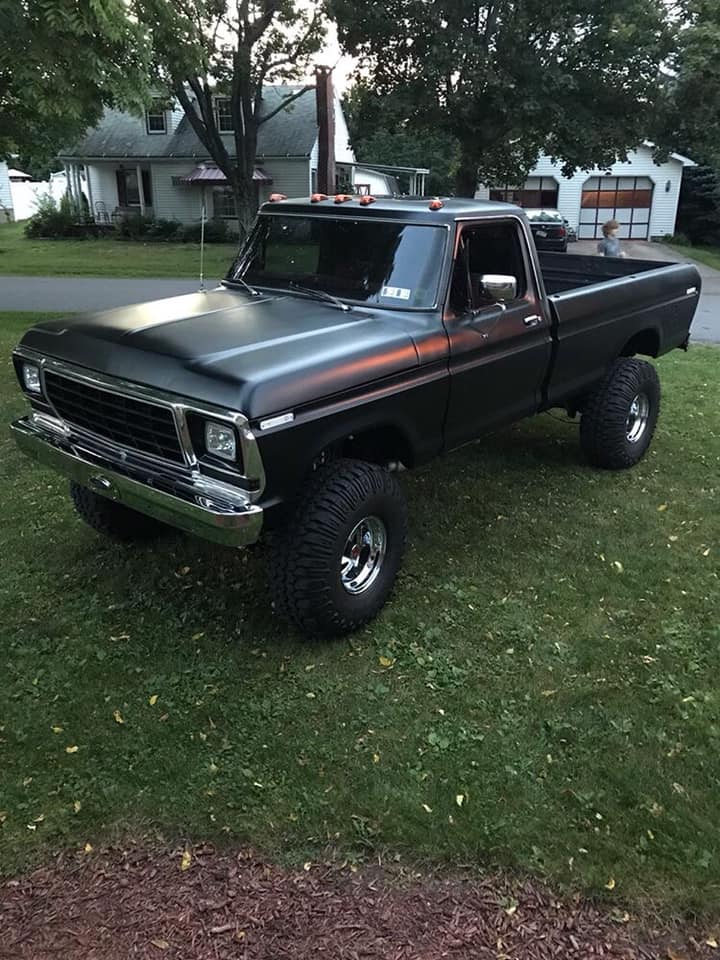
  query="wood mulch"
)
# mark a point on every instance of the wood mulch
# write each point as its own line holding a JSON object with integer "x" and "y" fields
{"x": 141, "y": 903}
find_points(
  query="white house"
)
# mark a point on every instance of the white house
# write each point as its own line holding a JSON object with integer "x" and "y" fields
{"x": 640, "y": 194}
{"x": 6, "y": 204}
{"x": 158, "y": 167}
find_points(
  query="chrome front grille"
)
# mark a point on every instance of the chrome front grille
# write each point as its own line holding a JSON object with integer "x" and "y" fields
{"x": 146, "y": 427}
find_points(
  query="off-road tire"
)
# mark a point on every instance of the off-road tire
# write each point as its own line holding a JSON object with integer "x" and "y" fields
{"x": 112, "y": 519}
{"x": 306, "y": 556}
{"x": 607, "y": 418}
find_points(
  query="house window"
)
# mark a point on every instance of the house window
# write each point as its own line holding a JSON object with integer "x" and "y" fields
{"x": 224, "y": 204}
{"x": 128, "y": 189}
{"x": 535, "y": 192}
{"x": 223, "y": 115}
{"x": 155, "y": 118}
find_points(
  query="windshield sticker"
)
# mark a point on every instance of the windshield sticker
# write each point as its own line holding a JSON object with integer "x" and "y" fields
{"x": 400, "y": 293}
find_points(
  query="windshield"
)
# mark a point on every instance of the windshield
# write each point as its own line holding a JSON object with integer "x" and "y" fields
{"x": 390, "y": 264}
{"x": 546, "y": 216}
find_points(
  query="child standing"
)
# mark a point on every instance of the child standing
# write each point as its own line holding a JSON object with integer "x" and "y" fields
{"x": 609, "y": 246}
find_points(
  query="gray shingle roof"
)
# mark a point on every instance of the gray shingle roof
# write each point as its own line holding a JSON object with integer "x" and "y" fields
{"x": 290, "y": 133}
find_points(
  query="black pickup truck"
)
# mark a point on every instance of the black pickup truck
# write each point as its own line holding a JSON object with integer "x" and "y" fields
{"x": 353, "y": 337}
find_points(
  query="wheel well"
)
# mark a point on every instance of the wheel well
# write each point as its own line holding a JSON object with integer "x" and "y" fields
{"x": 381, "y": 444}
{"x": 646, "y": 342}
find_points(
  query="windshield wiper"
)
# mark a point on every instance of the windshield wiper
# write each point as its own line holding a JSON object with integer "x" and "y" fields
{"x": 319, "y": 295}
{"x": 237, "y": 282}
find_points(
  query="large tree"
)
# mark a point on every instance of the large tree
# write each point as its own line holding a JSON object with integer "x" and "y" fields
{"x": 507, "y": 79}
{"x": 204, "y": 49}
{"x": 61, "y": 61}
{"x": 380, "y": 132}
{"x": 689, "y": 114}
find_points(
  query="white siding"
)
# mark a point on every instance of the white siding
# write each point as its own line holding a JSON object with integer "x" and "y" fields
{"x": 103, "y": 186}
{"x": 290, "y": 176}
{"x": 343, "y": 150}
{"x": 6, "y": 204}
{"x": 181, "y": 203}
{"x": 640, "y": 163}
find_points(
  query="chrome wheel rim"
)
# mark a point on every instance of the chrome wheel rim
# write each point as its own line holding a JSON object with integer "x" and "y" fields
{"x": 363, "y": 555}
{"x": 637, "y": 419}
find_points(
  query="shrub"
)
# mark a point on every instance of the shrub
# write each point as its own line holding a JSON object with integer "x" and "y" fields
{"x": 216, "y": 231}
{"x": 161, "y": 229}
{"x": 55, "y": 220}
{"x": 132, "y": 227}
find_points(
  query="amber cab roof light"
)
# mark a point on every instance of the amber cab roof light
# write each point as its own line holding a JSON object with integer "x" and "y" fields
{"x": 435, "y": 204}
{"x": 317, "y": 197}
{"x": 366, "y": 200}
{"x": 343, "y": 197}
{"x": 274, "y": 197}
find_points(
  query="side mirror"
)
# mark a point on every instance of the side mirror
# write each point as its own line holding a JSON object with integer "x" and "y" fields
{"x": 498, "y": 287}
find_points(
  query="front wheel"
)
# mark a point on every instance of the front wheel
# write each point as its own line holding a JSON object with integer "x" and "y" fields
{"x": 619, "y": 417}
{"x": 335, "y": 564}
{"x": 113, "y": 519}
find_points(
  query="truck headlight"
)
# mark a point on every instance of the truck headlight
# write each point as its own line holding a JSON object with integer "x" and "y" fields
{"x": 31, "y": 378}
{"x": 220, "y": 440}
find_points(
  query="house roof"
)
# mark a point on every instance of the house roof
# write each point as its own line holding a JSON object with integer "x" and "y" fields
{"x": 290, "y": 133}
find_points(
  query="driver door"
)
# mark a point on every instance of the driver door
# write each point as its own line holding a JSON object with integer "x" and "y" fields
{"x": 499, "y": 348}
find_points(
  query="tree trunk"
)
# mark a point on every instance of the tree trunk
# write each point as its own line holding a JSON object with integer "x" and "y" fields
{"x": 245, "y": 194}
{"x": 466, "y": 178}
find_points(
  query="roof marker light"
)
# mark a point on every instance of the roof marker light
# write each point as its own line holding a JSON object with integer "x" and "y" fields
{"x": 366, "y": 200}
{"x": 317, "y": 197}
{"x": 435, "y": 204}
{"x": 343, "y": 197}
{"x": 274, "y": 197}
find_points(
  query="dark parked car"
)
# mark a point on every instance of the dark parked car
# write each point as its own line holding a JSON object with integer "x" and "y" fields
{"x": 549, "y": 229}
{"x": 351, "y": 337}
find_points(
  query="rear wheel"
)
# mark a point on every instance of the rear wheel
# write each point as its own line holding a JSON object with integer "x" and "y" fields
{"x": 335, "y": 564}
{"x": 113, "y": 519}
{"x": 619, "y": 417}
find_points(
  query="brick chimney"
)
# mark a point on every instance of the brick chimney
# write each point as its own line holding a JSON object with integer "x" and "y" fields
{"x": 325, "y": 102}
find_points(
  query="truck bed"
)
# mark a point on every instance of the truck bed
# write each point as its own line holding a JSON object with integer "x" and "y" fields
{"x": 563, "y": 272}
{"x": 602, "y": 308}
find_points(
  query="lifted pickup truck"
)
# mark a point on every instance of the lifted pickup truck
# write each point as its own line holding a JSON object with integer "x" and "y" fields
{"x": 351, "y": 337}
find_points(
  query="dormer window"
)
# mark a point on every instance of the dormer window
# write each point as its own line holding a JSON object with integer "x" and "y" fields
{"x": 155, "y": 118}
{"x": 223, "y": 113}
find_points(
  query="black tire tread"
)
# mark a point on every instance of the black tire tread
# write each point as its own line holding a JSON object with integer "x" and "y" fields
{"x": 301, "y": 590}
{"x": 113, "y": 519}
{"x": 605, "y": 410}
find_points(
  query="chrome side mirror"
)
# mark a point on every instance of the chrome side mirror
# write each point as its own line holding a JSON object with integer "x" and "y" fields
{"x": 498, "y": 287}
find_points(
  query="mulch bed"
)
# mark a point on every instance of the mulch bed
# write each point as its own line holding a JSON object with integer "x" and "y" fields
{"x": 142, "y": 904}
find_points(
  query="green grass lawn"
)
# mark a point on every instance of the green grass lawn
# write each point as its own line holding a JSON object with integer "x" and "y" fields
{"x": 540, "y": 695}
{"x": 710, "y": 256}
{"x": 107, "y": 258}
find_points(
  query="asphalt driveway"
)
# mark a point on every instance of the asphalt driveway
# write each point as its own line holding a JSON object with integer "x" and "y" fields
{"x": 706, "y": 324}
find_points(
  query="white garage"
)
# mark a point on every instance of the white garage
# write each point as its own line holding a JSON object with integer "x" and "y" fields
{"x": 640, "y": 194}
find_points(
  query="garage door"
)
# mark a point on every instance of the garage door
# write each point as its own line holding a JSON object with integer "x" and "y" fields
{"x": 625, "y": 199}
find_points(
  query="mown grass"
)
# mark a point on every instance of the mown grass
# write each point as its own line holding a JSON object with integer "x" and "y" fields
{"x": 107, "y": 258}
{"x": 710, "y": 256}
{"x": 541, "y": 694}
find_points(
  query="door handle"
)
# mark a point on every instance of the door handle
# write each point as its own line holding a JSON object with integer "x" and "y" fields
{"x": 532, "y": 321}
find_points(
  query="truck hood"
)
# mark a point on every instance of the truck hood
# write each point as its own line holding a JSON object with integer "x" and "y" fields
{"x": 258, "y": 355}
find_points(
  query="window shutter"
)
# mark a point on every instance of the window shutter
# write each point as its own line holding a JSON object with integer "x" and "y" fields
{"x": 147, "y": 188}
{"x": 121, "y": 188}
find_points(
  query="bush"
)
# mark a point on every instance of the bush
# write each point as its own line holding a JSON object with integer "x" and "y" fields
{"x": 133, "y": 227}
{"x": 55, "y": 220}
{"x": 161, "y": 229}
{"x": 216, "y": 231}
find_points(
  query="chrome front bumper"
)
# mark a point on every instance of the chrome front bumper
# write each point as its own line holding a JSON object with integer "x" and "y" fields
{"x": 183, "y": 499}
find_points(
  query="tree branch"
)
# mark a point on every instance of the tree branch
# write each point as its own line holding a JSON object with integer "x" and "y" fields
{"x": 285, "y": 102}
